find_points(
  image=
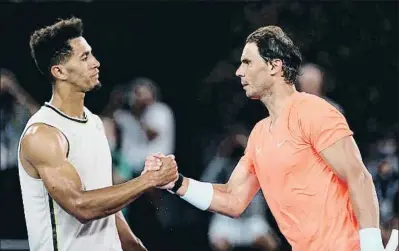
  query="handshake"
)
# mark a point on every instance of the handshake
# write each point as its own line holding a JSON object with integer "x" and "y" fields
{"x": 161, "y": 170}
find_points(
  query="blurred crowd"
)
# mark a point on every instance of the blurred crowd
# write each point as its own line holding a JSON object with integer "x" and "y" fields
{"x": 138, "y": 123}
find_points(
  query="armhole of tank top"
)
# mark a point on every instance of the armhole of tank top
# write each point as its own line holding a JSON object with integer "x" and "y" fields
{"x": 69, "y": 145}
{"x": 53, "y": 221}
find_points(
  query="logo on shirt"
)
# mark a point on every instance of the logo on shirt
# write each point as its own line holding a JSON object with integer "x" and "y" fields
{"x": 280, "y": 143}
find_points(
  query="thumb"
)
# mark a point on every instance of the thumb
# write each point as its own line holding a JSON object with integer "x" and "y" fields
{"x": 171, "y": 156}
{"x": 160, "y": 155}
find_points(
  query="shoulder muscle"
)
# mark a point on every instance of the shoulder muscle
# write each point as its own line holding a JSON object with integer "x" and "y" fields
{"x": 44, "y": 144}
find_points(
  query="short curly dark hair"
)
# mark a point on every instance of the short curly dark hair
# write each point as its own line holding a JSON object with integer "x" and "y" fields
{"x": 273, "y": 43}
{"x": 50, "y": 45}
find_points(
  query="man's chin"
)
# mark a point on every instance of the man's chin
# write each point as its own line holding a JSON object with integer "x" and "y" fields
{"x": 96, "y": 87}
{"x": 249, "y": 95}
{"x": 252, "y": 96}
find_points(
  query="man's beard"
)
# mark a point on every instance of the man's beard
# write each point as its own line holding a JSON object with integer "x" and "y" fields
{"x": 96, "y": 87}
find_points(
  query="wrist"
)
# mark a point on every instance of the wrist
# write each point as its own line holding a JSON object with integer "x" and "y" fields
{"x": 177, "y": 184}
{"x": 370, "y": 239}
{"x": 183, "y": 188}
{"x": 149, "y": 180}
{"x": 198, "y": 194}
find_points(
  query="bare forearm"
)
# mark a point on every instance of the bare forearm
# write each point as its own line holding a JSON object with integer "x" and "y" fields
{"x": 103, "y": 202}
{"x": 224, "y": 203}
{"x": 364, "y": 201}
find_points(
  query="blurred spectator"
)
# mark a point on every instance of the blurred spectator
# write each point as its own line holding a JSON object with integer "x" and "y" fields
{"x": 383, "y": 165}
{"x": 121, "y": 168}
{"x": 386, "y": 184}
{"x": 312, "y": 80}
{"x": 115, "y": 101}
{"x": 386, "y": 147}
{"x": 148, "y": 127}
{"x": 16, "y": 107}
{"x": 121, "y": 171}
{"x": 251, "y": 229}
{"x": 385, "y": 150}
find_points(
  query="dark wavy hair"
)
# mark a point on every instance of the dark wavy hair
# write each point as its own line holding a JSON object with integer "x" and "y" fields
{"x": 51, "y": 45}
{"x": 272, "y": 44}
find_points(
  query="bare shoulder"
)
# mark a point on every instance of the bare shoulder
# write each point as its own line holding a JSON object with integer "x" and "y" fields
{"x": 42, "y": 142}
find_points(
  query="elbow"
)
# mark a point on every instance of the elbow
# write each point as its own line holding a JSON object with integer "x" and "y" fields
{"x": 235, "y": 215}
{"x": 360, "y": 178}
{"x": 366, "y": 176}
{"x": 81, "y": 213}
{"x": 236, "y": 211}
{"x": 83, "y": 219}
{"x": 234, "y": 206}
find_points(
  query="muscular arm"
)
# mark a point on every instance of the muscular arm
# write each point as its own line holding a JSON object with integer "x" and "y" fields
{"x": 345, "y": 160}
{"x": 45, "y": 149}
{"x": 233, "y": 198}
{"x": 128, "y": 240}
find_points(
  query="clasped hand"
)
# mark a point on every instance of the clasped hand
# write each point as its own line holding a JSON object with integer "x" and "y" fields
{"x": 162, "y": 169}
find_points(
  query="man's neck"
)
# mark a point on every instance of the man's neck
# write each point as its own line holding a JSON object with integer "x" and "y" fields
{"x": 276, "y": 99}
{"x": 68, "y": 100}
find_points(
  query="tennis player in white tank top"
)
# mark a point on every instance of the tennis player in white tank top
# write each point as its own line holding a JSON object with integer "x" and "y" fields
{"x": 65, "y": 165}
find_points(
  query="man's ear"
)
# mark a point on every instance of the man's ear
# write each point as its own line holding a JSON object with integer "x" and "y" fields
{"x": 275, "y": 66}
{"x": 59, "y": 72}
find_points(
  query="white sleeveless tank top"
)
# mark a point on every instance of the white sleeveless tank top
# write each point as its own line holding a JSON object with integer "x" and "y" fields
{"x": 50, "y": 228}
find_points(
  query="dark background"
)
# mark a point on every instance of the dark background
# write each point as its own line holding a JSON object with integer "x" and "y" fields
{"x": 179, "y": 43}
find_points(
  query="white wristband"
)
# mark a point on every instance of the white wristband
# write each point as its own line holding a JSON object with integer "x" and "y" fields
{"x": 393, "y": 242}
{"x": 370, "y": 239}
{"x": 199, "y": 194}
